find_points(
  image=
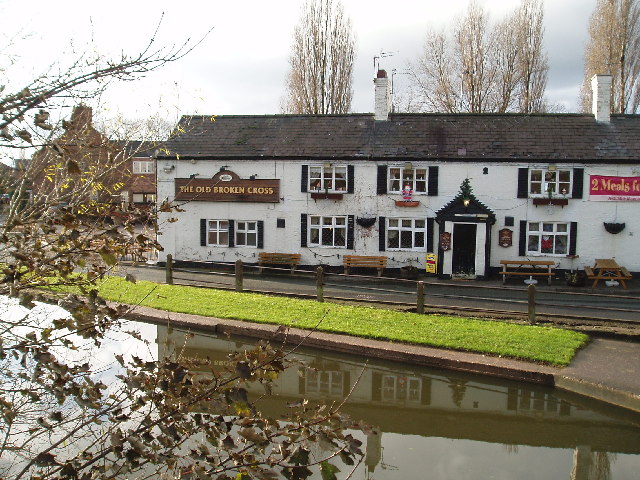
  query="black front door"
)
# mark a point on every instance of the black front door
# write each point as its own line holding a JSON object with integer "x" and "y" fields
{"x": 464, "y": 249}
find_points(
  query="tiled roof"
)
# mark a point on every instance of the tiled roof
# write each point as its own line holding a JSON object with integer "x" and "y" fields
{"x": 546, "y": 137}
{"x": 140, "y": 148}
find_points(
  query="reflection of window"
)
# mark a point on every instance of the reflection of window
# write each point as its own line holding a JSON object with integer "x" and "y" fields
{"x": 142, "y": 166}
{"x": 246, "y": 234}
{"x": 329, "y": 178}
{"x": 416, "y": 178}
{"x": 558, "y": 182}
{"x": 327, "y": 231}
{"x": 406, "y": 233}
{"x": 218, "y": 233}
{"x": 401, "y": 388}
{"x": 548, "y": 238}
{"x": 327, "y": 383}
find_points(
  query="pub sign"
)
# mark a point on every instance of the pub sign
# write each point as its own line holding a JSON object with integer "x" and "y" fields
{"x": 445, "y": 241}
{"x": 505, "y": 237}
{"x": 226, "y": 186}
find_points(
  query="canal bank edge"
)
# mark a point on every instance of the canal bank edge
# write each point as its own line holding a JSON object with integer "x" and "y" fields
{"x": 568, "y": 378}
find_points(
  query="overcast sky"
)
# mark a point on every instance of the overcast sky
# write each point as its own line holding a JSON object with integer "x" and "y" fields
{"x": 240, "y": 67}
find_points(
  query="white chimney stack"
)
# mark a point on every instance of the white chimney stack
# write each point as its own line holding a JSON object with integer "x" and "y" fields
{"x": 601, "y": 92}
{"x": 383, "y": 96}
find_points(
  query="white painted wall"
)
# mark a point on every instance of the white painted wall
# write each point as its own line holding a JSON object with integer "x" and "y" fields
{"x": 497, "y": 190}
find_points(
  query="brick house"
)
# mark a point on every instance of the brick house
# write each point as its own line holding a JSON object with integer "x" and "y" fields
{"x": 130, "y": 167}
{"x": 540, "y": 186}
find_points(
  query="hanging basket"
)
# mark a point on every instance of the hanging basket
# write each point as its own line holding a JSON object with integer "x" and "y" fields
{"x": 366, "y": 222}
{"x": 613, "y": 227}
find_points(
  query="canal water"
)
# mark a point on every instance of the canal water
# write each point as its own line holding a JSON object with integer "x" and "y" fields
{"x": 437, "y": 424}
{"x": 427, "y": 423}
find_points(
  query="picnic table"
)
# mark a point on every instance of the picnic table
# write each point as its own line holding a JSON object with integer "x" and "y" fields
{"x": 529, "y": 268}
{"x": 607, "y": 269}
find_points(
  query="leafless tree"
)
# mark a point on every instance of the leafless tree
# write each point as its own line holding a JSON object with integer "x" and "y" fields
{"x": 322, "y": 56}
{"x": 614, "y": 48}
{"x": 484, "y": 68}
{"x": 532, "y": 60}
{"x": 471, "y": 48}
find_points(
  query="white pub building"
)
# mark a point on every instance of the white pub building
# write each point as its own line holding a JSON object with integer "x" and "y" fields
{"x": 474, "y": 189}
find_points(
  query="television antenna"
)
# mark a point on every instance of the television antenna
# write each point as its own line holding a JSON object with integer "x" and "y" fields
{"x": 376, "y": 59}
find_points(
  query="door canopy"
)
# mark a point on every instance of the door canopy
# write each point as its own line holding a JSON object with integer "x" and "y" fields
{"x": 465, "y": 207}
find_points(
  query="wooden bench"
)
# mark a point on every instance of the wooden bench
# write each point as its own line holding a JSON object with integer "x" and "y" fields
{"x": 267, "y": 258}
{"x": 615, "y": 272}
{"x": 529, "y": 268}
{"x": 379, "y": 263}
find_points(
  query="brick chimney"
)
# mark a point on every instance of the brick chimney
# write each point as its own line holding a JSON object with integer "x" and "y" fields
{"x": 81, "y": 118}
{"x": 383, "y": 96}
{"x": 601, "y": 93}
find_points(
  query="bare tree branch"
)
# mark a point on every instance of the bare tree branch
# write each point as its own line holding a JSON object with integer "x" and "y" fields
{"x": 480, "y": 68}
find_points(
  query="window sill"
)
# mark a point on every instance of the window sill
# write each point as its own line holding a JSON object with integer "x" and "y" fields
{"x": 403, "y": 203}
{"x": 326, "y": 196}
{"x": 551, "y": 201}
{"x": 421, "y": 250}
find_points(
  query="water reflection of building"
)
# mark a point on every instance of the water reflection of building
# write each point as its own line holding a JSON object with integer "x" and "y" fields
{"x": 399, "y": 399}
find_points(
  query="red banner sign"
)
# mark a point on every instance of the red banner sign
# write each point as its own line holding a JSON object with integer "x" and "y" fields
{"x": 614, "y": 189}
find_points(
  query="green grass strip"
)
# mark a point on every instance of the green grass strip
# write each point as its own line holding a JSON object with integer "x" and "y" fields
{"x": 536, "y": 343}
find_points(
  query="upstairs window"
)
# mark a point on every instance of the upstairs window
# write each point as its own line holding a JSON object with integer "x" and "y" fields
{"x": 143, "y": 197}
{"x": 555, "y": 183}
{"x": 328, "y": 178}
{"x": 143, "y": 166}
{"x": 416, "y": 178}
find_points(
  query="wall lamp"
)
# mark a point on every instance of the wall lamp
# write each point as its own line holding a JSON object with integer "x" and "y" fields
{"x": 253, "y": 177}
{"x": 466, "y": 201}
{"x": 224, "y": 168}
{"x": 169, "y": 168}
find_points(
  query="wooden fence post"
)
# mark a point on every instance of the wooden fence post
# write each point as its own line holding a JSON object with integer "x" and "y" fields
{"x": 531, "y": 294}
{"x": 420, "y": 302}
{"x": 169, "y": 270}
{"x": 320, "y": 284}
{"x": 239, "y": 272}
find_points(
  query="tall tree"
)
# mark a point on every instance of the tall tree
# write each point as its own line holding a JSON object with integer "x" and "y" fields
{"x": 322, "y": 56}
{"x": 614, "y": 48}
{"x": 484, "y": 68}
{"x": 532, "y": 60}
